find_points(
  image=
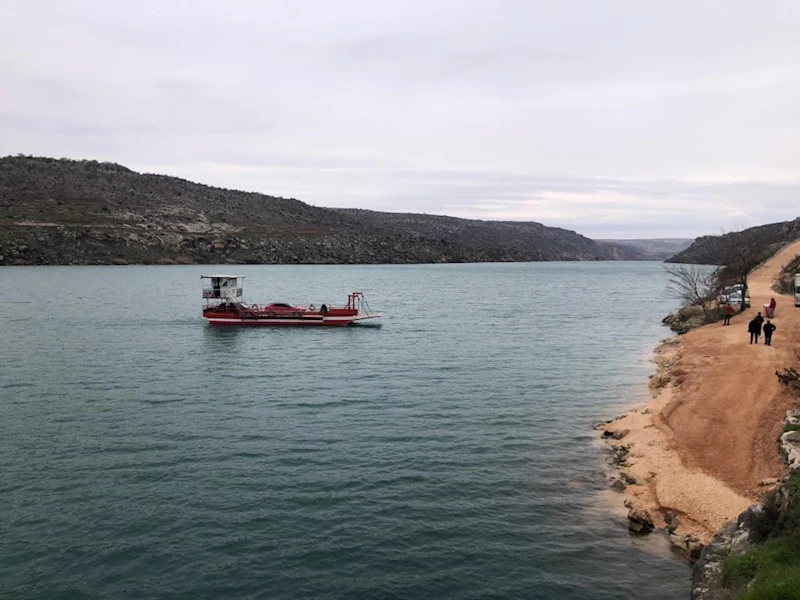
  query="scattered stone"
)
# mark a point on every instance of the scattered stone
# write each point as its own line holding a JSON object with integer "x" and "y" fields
{"x": 694, "y": 547}
{"x": 618, "y": 435}
{"x": 678, "y": 541}
{"x": 707, "y": 581}
{"x": 688, "y": 544}
{"x": 619, "y": 456}
{"x": 752, "y": 527}
{"x": 768, "y": 481}
{"x": 659, "y": 380}
{"x": 618, "y": 485}
{"x": 791, "y": 437}
{"x": 792, "y": 417}
{"x": 640, "y": 521}
{"x": 790, "y": 441}
{"x": 673, "y": 525}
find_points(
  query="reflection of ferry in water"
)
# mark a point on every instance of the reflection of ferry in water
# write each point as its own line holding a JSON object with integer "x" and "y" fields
{"x": 224, "y": 306}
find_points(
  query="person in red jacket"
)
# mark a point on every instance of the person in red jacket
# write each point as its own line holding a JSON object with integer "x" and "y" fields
{"x": 728, "y": 314}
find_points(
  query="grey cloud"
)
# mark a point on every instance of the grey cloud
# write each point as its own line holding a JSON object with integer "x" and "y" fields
{"x": 673, "y": 118}
{"x": 602, "y": 207}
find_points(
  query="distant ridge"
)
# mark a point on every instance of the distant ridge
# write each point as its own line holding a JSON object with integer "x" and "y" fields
{"x": 656, "y": 248}
{"x": 61, "y": 211}
{"x": 763, "y": 240}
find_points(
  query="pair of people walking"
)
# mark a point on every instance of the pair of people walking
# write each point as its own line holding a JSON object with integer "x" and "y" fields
{"x": 755, "y": 327}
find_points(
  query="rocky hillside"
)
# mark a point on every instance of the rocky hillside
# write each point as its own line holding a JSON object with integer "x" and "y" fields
{"x": 763, "y": 240}
{"x": 656, "y": 249}
{"x": 86, "y": 212}
{"x": 503, "y": 240}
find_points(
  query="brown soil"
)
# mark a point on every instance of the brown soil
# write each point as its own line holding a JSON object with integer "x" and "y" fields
{"x": 703, "y": 444}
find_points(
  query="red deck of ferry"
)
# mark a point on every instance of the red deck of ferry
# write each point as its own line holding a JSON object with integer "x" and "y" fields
{"x": 224, "y": 306}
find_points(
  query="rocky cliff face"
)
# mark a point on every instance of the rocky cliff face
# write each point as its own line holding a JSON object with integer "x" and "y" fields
{"x": 85, "y": 212}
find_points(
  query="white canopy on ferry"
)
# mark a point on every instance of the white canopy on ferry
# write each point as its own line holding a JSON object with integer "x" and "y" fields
{"x": 221, "y": 276}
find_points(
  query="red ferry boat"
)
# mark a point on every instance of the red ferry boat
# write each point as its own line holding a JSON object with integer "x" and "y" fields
{"x": 224, "y": 306}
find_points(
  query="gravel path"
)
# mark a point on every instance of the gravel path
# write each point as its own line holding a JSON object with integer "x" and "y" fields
{"x": 702, "y": 448}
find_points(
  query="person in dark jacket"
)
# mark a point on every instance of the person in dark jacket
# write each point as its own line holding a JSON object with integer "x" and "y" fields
{"x": 769, "y": 328}
{"x": 754, "y": 327}
{"x": 760, "y": 319}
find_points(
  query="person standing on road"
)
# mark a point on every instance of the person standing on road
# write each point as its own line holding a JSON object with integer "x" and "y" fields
{"x": 728, "y": 314}
{"x": 769, "y": 328}
{"x": 754, "y": 327}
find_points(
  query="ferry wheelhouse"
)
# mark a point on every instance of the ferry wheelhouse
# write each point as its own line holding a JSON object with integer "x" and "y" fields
{"x": 224, "y": 305}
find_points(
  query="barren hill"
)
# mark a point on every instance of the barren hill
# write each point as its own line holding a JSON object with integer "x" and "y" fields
{"x": 657, "y": 248}
{"x": 59, "y": 211}
{"x": 763, "y": 241}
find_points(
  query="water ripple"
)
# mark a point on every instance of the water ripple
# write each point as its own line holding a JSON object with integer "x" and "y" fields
{"x": 445, "y": 455}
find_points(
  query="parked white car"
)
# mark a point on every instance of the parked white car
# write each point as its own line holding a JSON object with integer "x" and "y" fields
{"x": 732, "y": 294}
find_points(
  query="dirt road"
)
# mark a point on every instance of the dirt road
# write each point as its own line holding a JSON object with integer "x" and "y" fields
{"x": 701, "y": 448}
{"x": 729, "y": 412}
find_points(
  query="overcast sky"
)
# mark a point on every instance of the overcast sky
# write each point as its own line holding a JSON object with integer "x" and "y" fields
{"x": 612, "y": 118}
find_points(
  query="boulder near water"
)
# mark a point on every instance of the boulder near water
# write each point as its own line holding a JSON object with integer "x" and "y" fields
{"x": 640, "y": 521}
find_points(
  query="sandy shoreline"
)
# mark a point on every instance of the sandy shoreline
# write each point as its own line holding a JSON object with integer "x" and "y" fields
{"x": 704, "y": 443}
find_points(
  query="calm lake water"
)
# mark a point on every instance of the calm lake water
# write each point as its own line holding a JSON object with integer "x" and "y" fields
{"x": 448, "y": 454}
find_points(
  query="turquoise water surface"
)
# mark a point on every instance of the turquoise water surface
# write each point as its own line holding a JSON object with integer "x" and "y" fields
{"x": 448, "y": 454}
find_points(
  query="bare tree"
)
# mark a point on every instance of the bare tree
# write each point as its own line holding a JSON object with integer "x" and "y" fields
{"x": 693, "y": 285}
{"x": 742, "y": 255}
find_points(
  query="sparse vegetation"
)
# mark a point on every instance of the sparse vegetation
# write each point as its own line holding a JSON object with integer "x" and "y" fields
{"x": 771, "y": 571}
{"x": 685, "y": 319}
{"x": 790, "y": 378}
{"x": 62, "y": 211}
{"x": 785, "y": 283}
{"x": 774, "y": 568}
{"x": 696, "y": 287}
{"x": 693, "y": 285}
{"x": 763, "y": 241}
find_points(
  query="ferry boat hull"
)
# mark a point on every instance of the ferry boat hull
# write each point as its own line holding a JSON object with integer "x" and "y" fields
{"x": 303, "y": 319}
{"x": 224, "y": 306}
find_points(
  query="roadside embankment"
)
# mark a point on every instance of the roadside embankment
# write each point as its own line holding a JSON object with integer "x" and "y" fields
{"x": 704, "y": 448}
